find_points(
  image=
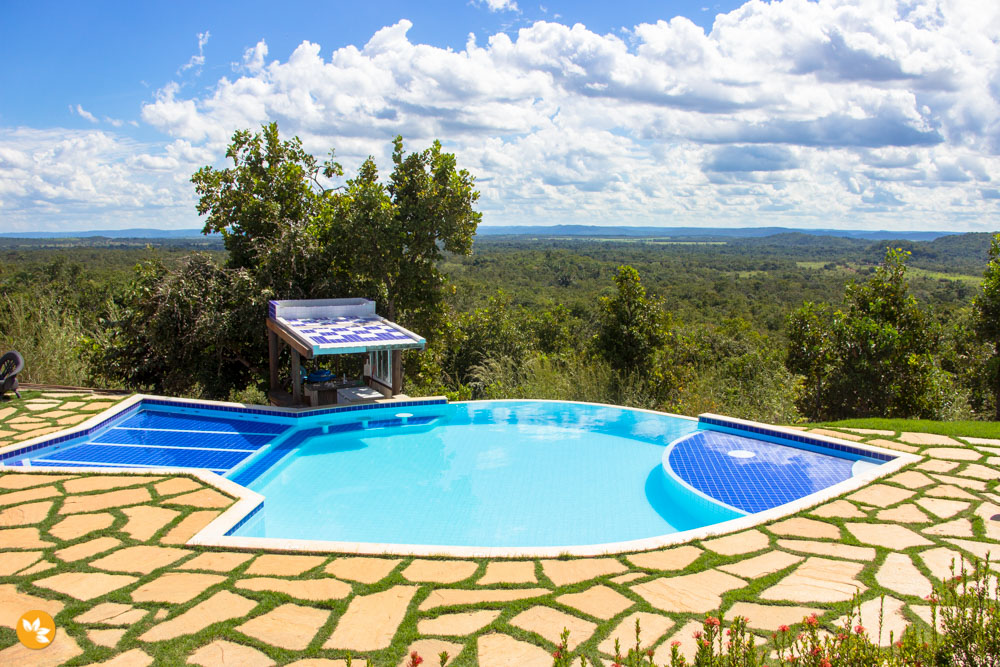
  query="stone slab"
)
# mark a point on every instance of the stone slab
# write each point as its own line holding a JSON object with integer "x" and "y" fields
{"x": 15, "y": 481}
{"x": 105, "y": 482}
{"x": 289, "y": 626}
{"x": 599, "y": 601}
{"x": 691, "y": 593}
{"x": 881, "y": 495}
{"x": 836, "y": 434}
{"x": 685, "y": 641}
{"x": 106, "y": 636}
{"x": 953, "y": 453}
{"x": 550, "y": 623}
{"x": 85, "y": 585}
{"x": 103, "y": 501}
{"x": 15, "y": 561}
{"x": 677, "y": 558}
{"x": 891, "y": 444}
{"x": 927, "y": 439}
{"x": 23, "y": 538}
{"x": 78, "y": 525}
{"x": 222, "y": 606}
{"x": 941, "y": 560}
{"x": 174, "y": 485}
{"x": 176, "y": 587}
{"x": 978, "y": 471}
{"x": 142, "y": 559}
{"x": 439, "y": 571}
{"x": 838, "y": 509}
{"x": 889, "y": 610}
{"x": 189, "y": 526}
{"x": 832, "y": 549}
{"x": 738, "y": 543}
{"x": 429, "y": 650}
{"x": 28, "y": 495}
{"x": 134, "y": 658}
{"x": 87, "y": 549}
{"x": 447, "y": 597}
{"x": 62, "y": 649}
{"x": 565, "y": 572}
{"x": 111, "y": 613}
{"x": 818, "y": 580}
{"x": 364, "y": 569}
{"x": 25, "y": 515}
{"x": 758, "y": 566}
{"x": 943, "y": 508}
{"x": 280, "y": 565}
{"x": 802, "y": 527}
{"x": 651, "y": 628}
{"x": 911, "y": 479}
{"x": 954, "y": 528}
{"x": 144, "y": 521}
{"x": 315, "y": 590}
{"x": 888, "y": 535}
{"x": 222, "y": 653}
{"x": 509, "y": 572}
{"x": 937, "y": 465}
{"x": 771, "y": 617}
{"x": 458, "y": 624}
{"x": 13, "y": 603}
{"x": 949, "y": 491}
{"x": 498, "y": 650}
{"x": 905, "y": 513}
{"x": 900, "y": 575}
{"x": 370, "y": 621}
{"x": 205, "y": 499}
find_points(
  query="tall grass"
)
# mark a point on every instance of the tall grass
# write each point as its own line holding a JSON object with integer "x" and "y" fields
{"x": 48, "y": 337}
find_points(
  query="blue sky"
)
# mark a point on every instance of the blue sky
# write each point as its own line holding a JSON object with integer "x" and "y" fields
{"x": 836, "y": 113}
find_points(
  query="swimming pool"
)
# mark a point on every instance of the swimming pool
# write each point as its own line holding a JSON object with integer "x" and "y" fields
{"x": 485, "y": 475}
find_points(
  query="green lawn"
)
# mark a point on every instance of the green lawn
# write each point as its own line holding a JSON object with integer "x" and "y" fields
{"x": 974, "y": 429}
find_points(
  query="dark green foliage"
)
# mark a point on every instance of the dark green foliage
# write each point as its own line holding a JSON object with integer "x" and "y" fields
{"x": 631, "y": 326}
{"x": 199, "y": 329}
{"x": 876, "y": 357}
{"x": 986, "y": 320}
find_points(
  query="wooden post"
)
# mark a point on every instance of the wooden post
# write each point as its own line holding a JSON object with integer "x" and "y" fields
{"x": 397, "y": 372}
{"x": 296, "y": 378}
{"x": 272, "y": 353}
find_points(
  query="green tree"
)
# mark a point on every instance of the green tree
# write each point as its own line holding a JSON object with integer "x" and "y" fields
{"x": 876, "y": 357}
{"x": 986, "y": 319}
{"x": 632, "y": 326}
{"x": 200, "y": 327}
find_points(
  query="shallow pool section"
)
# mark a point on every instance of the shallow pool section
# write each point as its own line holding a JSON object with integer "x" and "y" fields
{"x": 163, "y": 437}
{"x": 753, "y": 475}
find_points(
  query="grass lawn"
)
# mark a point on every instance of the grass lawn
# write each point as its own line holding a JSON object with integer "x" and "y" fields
{"x": 973, "y": 429}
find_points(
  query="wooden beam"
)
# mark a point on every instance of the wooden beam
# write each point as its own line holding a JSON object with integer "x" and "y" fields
{"x": 296, "y": 377}
{"x": 272, "y": 353}
{"x": 397, "y": 372}
{"x": 290, "y": 338}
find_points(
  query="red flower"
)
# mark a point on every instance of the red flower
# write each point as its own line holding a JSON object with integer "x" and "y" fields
{"x": 697, "y": 634}
{"x": 675, "y": 643}
{"x": 711, "y": 620}
{"x": 860, "y": 629}
{"x": 812, "y": 621}
{"x": 415, "y": 659}
{"x": 783, "y": 628}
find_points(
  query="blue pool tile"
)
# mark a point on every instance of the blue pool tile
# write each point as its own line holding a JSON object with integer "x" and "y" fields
{"x": 145, "y": 456}
{"x": 120, "y": 436}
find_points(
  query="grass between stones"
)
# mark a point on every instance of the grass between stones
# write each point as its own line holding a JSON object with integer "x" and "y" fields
{"x": 177, "y": 650}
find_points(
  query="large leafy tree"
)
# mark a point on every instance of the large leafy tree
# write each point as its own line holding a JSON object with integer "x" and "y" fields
{"x": 632, "y": 326}
{"x": 289, "y": 237}
{"x": 873, "y": 358}
{"x": 986, "y": 318}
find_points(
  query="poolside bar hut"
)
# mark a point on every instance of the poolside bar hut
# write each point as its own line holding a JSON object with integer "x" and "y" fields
{"x": 316, "y": 327}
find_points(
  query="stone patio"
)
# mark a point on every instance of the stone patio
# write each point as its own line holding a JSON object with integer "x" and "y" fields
{"x": 106, "y": 555}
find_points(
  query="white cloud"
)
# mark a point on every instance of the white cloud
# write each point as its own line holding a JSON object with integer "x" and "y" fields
{"x": 831, "y": 113}
{"x": 83, "y": 113}
{"x": 197, "y": 60}
{"x": 501, "y": 5}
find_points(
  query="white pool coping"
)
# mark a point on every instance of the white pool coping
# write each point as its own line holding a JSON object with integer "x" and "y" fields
{"x": 247, "y": 501}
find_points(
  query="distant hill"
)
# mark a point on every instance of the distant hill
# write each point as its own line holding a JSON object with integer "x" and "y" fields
{"x": 704, "y": 232}
{"x": 602, "y": 231}
{"x": 138, "y": 233}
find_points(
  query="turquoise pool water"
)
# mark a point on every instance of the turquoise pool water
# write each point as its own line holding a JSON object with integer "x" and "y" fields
{"x": 504, "y": 473}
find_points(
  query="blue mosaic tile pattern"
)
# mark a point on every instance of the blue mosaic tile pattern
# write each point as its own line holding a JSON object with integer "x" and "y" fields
{"x": 795, "y": 437}
{"x": 261, "y": 465}
{"x": 758, "y": 475}
{"x": 349, "y": 330}
{"x": 172, "y": 421}
{"x": 146, "y": 456}
{"x": 188, "y": 439}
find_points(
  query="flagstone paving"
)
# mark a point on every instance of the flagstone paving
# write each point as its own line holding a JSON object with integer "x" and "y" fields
{"x": 106, "y": 555}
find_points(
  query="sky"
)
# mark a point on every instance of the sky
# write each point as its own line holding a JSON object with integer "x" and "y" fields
{"x": 857, "y": 114}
